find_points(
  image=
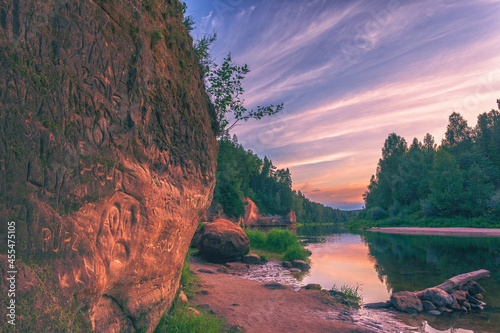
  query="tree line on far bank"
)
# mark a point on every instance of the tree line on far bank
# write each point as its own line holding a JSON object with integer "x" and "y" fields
{"x": 458, "y": 179}
{"x": 241, "y": 173}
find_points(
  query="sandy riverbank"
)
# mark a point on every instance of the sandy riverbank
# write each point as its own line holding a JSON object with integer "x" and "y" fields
{"x": 257, "y": 308}
{"x": 478, "y": 232}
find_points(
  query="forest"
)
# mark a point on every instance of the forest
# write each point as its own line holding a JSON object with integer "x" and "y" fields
{"x": 241, "y": 173}
{"x": 460, "y": 178}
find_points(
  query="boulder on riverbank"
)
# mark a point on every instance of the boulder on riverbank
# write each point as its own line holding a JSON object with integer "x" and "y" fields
{"x": 301, "y": 264}
{"x": 252, "y": 259}
{"x": 222, "y": 241}
{"x": 407, "y": 302}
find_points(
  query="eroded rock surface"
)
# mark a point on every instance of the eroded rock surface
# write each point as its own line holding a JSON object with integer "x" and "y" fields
{"x": 255, "y": 219}
{"x": 107, "y": 159}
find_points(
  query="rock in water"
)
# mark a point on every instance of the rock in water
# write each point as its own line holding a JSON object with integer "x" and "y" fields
{"x": 428, "y": 306}
{"x": 407, "y": 302}
{"x": 223, "y": 241}
{"x": 438, "y": 297}
{"x": 251, "y": 259}
{"x": 474, "y": 288}
{"x": 301, "y": 264}
{"x": 460, "y": 295}
{"x": 108, "y": 158}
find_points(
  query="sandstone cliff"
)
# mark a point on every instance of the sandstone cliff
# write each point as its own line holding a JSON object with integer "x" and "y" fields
{"x": 107, "y": 159}
{"x": 254, "y": 219}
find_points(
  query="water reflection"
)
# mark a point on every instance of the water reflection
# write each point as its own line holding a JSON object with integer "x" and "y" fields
{"x": 383, "y": 263}
{"x": 343, "y": 259}
{"x": 416, "y": 262}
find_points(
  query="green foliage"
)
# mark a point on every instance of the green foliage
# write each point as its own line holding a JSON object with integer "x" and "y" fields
{"x": 188, "y": 280}
{"x": 460, "y": 178}
{"x": 423, "y": 222}
{"x": 257, "y": 238}
{"x": 241, "y": 173}
{"x": 202, "y": 47}
{"x": 225, "y": 90}
{"x": 295, "y": 252}
{"x": 188, "y": 21}
{"x": 278, "y": 241}
{"x": 350, "y": 296}
{"x": 180, "y": 319}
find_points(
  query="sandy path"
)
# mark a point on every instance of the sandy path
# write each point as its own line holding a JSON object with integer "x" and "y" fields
{"x": 258, "y": 309}
{"x": 440, "y": 231}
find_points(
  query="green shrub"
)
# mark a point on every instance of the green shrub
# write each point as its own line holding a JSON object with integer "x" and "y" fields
{"x": 257, "y": 238}
{"x": 350, "y": 296}
{"x": 278, "y": 240}
{"x": 295, "y": 252}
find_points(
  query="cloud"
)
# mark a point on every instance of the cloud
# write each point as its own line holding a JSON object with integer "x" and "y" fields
{"x": 415, "y": 63}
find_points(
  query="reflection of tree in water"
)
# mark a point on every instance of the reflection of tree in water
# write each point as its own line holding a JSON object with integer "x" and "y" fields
{"x": 416, "y": 262}
{"x": 317, "y": 233}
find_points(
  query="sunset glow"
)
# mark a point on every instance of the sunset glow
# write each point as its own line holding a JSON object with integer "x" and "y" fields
{"x": 350, "y": 73}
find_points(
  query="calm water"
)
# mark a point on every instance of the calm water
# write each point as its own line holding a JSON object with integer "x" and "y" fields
{"x": 385, "y": 263}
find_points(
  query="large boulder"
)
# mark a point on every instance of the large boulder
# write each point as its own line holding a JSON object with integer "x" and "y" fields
{"x": 222, "y": 241}
{"x": 438, "y": 297}
{"x": 108, "y": 159}
{"x": 407, "y": 302}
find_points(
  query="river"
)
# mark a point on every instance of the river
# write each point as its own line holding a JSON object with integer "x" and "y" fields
{"x": 385, "y": 263}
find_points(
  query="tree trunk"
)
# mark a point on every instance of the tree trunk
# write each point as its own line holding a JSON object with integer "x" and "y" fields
{"x": 459, "y": 280}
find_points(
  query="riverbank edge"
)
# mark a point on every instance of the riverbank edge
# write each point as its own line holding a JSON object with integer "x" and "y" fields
{"x": 226, "y": 294}
{"x": 452, "y": 231}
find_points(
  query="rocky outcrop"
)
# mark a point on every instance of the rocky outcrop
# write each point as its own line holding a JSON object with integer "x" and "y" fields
{"x": 107, "y": 159}
{"x": 460, "y": 293}
{"x": 254, "y": 219}
{"x": 407, "y": 302}
{"x": 222, "y": 241}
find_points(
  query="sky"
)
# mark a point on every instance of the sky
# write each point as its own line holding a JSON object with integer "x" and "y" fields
{"x": 350, "y": 73}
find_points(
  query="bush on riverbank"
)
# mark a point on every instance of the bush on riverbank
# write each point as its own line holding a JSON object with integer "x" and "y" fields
{"x": 283, "y": 242}
{"x": 350, "y": 296}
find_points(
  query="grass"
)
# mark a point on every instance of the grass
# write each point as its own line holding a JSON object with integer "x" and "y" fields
{"x": 277, "y": 244}
{"x": 430, "y": 222}
{"x": 350, "y": 296}
{"x": 180, "y": 318}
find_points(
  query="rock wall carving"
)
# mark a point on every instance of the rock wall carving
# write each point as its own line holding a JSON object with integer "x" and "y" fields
{"x": 107, "y": 159}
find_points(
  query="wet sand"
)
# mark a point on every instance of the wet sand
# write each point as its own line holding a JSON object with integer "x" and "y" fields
{"x": 255, "y": 308}
{"x": 477, "y": 232}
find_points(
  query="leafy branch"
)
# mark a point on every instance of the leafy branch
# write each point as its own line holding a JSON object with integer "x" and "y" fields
{"x": 225, "y": 91}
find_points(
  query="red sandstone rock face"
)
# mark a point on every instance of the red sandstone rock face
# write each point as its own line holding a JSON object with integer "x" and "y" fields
{"x": 254, "y": 218}
{"x": 107, "y": 159}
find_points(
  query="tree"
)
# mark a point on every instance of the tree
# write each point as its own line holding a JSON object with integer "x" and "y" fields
{"x": 458, "y": 133}
{"x": 225, "y": 91}
{"x": 385, "y": 186}
{"x": 447, "y": 184}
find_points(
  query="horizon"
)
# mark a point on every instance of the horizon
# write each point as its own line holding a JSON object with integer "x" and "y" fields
{"x": 350, "y": 73}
